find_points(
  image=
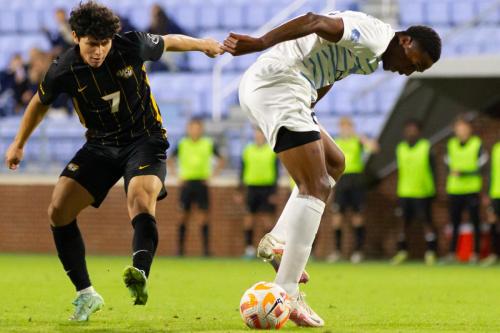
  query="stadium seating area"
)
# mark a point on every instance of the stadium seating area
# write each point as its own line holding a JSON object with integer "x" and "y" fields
{"x": 184, "y": 94}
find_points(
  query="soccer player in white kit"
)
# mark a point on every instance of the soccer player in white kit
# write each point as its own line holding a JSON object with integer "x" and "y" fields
{"x": 278, "y": 92}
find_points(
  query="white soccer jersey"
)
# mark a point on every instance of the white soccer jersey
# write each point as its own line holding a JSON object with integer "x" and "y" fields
{"x": 322, "y": 62}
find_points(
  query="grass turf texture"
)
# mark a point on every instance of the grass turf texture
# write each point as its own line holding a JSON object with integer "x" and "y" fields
{"x": 189, "y": 295}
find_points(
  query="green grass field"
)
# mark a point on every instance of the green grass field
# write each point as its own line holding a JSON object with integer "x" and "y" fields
{"x": 196, "y": 295}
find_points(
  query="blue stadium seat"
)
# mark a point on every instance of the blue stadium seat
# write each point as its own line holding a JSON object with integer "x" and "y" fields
{"x": 490, "y": 11}
{"x": 200, "y": 62}
{"x": 255, "y": 16}
{"x": 186, "y": 16}
{"x": 242, "y": 63}
{"x": 231, "y": 16}
{"x": 40, "y": 41}
{"x": 47, "y": 19}
{"x": 411, "y": 12}
{"x": 209, "y": 18}
{"x": 463, "y": 11}
{"x": 8, "y": 20}
{"x": 366, "y": 103}
{"x": 438, "y": 12}
{"x": 140, "y": 17}
{"x": 30, "y": 20}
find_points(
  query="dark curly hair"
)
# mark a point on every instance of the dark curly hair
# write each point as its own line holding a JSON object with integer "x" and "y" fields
{"x": 93, "y": 19}
{"x": 427, "y": 38}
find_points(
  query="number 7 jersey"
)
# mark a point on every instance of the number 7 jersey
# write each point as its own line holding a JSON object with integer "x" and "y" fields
{"x": 114, "y": 101}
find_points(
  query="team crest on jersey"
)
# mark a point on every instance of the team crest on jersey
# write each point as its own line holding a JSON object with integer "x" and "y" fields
{"x": 355, "y": 34}
{"x": 126, "y": 72}
{"x": 73, "y": 167}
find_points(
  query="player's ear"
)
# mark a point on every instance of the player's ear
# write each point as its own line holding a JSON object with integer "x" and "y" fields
{"x": 405, "y": 40}
{"x": 75, "y": 37}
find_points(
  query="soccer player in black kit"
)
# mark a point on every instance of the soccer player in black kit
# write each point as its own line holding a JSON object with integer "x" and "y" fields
{"x": 105, "y": 77}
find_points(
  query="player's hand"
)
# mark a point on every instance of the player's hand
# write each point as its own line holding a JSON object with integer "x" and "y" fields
{"x": 212, "y": 48}
{"x": 242, "y": 44}
{"x": 13, "y": 156}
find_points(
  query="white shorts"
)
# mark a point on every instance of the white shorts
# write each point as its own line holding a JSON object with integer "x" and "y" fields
{"x": 276, "y": 95}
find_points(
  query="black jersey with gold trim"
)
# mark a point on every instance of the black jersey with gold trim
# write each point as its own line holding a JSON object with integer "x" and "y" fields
{"x": 114, "y": 101}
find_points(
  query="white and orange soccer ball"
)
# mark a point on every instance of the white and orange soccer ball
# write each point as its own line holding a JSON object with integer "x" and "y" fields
{"x": 265, "y": 306}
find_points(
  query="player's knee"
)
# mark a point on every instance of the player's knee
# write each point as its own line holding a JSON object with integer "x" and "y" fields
{"x": 336, "y": 165}
{"x": 319, "y": 188}
{"x": 141, "y": 202}
{"x": 58, "y": 216}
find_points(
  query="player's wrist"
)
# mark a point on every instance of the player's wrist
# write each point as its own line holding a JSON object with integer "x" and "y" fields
{"x": 18, "y": 143}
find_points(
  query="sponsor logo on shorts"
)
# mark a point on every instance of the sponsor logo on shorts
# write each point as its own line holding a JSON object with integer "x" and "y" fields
{"x": 73, "y": 167}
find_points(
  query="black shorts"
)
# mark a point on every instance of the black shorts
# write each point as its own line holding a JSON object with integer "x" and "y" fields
{"x": 495, "y": 204}
{"x": 258, "y": 199}
{"x": 349, "y": 194}
{"x": 416, "y": 208}
{"x": 287, "y": 139}
{"x": 194, "y": 191}
{"x": 97, "y": 168}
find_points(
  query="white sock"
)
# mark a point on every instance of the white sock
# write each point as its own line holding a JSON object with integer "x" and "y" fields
{"x": 279, "y": 230}
{"x": 88, "y": 290}
{"x": 303, "y": 222}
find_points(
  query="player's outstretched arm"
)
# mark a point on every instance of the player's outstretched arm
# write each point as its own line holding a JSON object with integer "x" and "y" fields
{"x": 32, "y": 117}
{"x": 209, "y": 46}
{"x": 327, "y": 27}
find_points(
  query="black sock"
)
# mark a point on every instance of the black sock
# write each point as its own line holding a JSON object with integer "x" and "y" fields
{"x": 182, "y": 236}
{"x": 360, "y": 237}
{"x": 493, "y": 240}
{"x": 338, "y": 238}
{"x": 249, "y": 237}
{"x": 71, "y": 251}
{"x": 204, "y": 232}
{"x": 145, "y": 241}
{"x": 402, "y": 243}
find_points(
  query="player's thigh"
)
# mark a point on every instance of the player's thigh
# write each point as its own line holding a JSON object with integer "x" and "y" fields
{"x": 306, "y": 165}
{"x": 495, "y": 203}
{"x": 186, "y": 196}
{"x": 340, "y": 200}
{"x": 252, "y": 200}
{"x": 274, "y": 97}
{"x": 146, "y": 157}
{"x": 68, "y": 199}
{"x": 85, "y": 180}
{"x": 407, "y": 211}
{"x": 202, "y": 196}
{"x": 335, "y": 160}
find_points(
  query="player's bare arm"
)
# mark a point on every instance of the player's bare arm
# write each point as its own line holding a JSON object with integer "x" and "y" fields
{"x": 32, "y": 117}
{"x": 329, "y": 28}
{"x": 209, "y": 46}
{"x": 321, "y": 93}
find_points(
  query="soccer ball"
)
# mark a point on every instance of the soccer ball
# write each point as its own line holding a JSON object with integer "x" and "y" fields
{"x": 264, "y": 306}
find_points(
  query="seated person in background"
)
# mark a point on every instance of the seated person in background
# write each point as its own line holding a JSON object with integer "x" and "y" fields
{"x": 163, "y": 24}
